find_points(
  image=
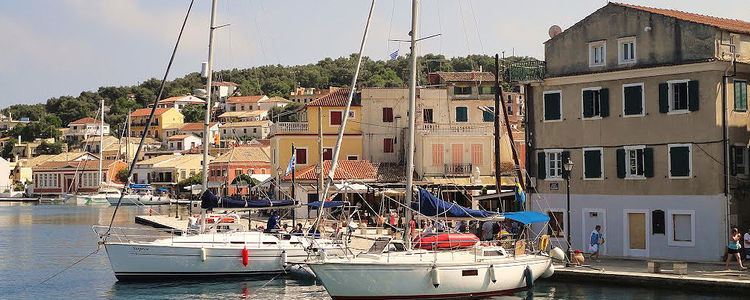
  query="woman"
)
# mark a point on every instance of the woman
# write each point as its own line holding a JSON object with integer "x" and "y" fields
{"x": 733, "y": 248}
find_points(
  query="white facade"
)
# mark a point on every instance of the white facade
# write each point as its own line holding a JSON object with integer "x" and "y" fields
{"x": 183, "y": 142}
{"x": 85, "y": 130}
{"x": 4, "y": 175}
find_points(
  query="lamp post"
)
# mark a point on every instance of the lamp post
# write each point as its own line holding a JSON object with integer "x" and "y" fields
{"x": 568, "y": 168}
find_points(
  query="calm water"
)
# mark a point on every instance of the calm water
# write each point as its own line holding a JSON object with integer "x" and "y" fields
{"x": 37, "y": 241}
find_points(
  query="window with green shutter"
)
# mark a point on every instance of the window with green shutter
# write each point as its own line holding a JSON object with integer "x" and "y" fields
{"x": 592, "y": 163}
{"x": 679, "y": 161}
{"x": 552, "y": 106}
{"x": 633, "y": 99}
{"x": 462, "y": 90}
{"x": 462, "y": 114}
{"x": 486, "y": 90}
{"x": 740, "y": 95}
{"x": 488, "y": 114}
{"x": 595, "y": 103}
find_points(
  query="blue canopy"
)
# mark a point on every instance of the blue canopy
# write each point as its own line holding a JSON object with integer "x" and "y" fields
{"x": 209, "y": 200}
{"x": 429, "y": 205}
{"x": 162, "y": 190}
{"x": 328, "y": 204}
{"x": 527, "y": 217}
{"x": 141, "y": 186}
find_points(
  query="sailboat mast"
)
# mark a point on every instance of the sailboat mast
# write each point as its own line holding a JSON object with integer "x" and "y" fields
{"x": 209, "y": 73}
{"x": 101, "y": 143}
{"x": 412, "y": 114}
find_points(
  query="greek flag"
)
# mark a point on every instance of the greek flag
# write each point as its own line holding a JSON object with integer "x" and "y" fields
{"x": 394, "y": 55}
{"x": 290, "y": 167}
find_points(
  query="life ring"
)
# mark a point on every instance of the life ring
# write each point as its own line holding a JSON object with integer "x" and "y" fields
{"x": 544, "y": 242}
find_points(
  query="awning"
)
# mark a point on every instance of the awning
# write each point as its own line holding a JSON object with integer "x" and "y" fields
{"x": 527, "y": 217}
{"x": 393, "y": 193}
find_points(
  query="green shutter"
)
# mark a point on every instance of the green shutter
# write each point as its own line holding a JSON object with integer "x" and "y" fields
{"x": 552, "y": 106}
{"x": 461, "y": 114}
{"x": 679, "y": 158}
{"x": 648, "y": 161}
{"x": 663, "y": 98}
{"x": 694, "y": 95}
{"x": 593, "y": 164}
{"x": 633, "y": 100}
{"x": 604, "y": 102}
{"x": 588, "y": 104}
{"x": 740, "y": 95}
{"x": 488, "y": 115}
{"x": 620, "y": 163}
{"x": 541, "y": 171}
{"x": 456, "y": 90}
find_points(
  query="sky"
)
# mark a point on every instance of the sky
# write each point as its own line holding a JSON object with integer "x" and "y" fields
{"x": 54, "y": 48}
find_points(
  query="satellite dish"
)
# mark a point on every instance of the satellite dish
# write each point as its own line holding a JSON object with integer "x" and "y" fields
{"x": 554, "y": 30}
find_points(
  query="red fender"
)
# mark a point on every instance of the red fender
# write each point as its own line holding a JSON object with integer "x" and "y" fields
{"x": 245, "y": 258}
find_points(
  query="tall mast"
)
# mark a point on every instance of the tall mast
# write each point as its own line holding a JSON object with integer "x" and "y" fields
{"x": 101, "y": 143}
{"x": 412, "y": 114}
{"x": 209, "y": 73}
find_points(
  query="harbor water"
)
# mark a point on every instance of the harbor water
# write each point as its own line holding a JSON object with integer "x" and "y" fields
{"x": 38, "y": 240}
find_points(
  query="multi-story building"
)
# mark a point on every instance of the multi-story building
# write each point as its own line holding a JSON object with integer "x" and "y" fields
{"x": 243, "y": 116}
{"x": 242, "y": 131}
{"x": 197, "y": 129}
{"x": 634, "y": 98}
{"x": 164, "y": 119}
{"x": 179, "y": 102}
{"x": 244, "y": 103}
{"x": 82, "y": 129}
{"x": 223, "y": 89}
{"x": 253, "y": 161}
{"x": 183, "y": 142}
{"x": 167, "y": 170}
{"x": 79, "y": 175}
{"x": 306, "y": 95}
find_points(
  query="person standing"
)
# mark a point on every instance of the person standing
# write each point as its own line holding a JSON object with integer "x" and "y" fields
{"x": 412, "y": 226}
{"x": 487, "y": 231}
{"x": 733, "y": 248}
{"x": 746, "y": 243}
{"x": 595, "y": 241}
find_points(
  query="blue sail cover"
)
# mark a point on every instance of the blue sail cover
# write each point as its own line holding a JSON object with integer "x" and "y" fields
{"x": 141, "y": 186}
{"x": 209, "y": 201}
{"x": 328, "y": 204}
{"x": 429, "y": 205}
{"x": 527, "y": 217}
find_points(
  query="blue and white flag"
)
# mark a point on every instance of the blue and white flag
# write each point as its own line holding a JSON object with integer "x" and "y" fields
{"x": 394, "y": 55}
{"x": 290, "y": 167}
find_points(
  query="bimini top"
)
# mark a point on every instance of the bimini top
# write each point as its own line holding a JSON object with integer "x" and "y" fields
{"x": 209, "y": 201}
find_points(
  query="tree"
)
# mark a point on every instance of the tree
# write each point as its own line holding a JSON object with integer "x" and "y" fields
{"x": 49, "y": 148}
{"x": 285, "y": 113}
{"x": 194, "y": 113}
{"x": 192, "y": 180}
{"x": 7, "y": 152}
{"x": 122, "y": 175}
{"x": 34, "y": 112}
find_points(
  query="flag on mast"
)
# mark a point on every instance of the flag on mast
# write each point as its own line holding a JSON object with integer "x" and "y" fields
{"x": 394, "y": 55}
{"x": 290, "y": 167}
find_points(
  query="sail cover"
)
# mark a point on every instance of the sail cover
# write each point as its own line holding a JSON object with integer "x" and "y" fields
{"x": 209, "y": 201}
{"x": 429, "y": 205}
{"x": 328, "y": 204}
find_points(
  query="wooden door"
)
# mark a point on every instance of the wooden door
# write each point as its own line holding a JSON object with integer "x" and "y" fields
{"x": 637, "y": 239}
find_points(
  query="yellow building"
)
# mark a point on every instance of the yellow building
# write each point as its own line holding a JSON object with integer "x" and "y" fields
{"x": 164, "y": 118}
{"x": 304, "y": 135}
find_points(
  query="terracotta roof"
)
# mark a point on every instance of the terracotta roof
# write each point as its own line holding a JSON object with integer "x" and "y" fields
{"x": 245, "y": 99}
{"x": 195, "y": 126}
{"x": 179, "y": 137}
{"x": 247, "y": 124}
{"x": 223, "y": 83}
{"x": 85, "y": 121}
{"x": 184, "y": 98}
{"x": 335, "y": 98}
{"x": 243, "y": 114}
{"x": 466, "y": 76}
{"x": 245, "y": 154}
{"x": 732, "y": 25}
{"x": 4, "y": 139}
{"x": 81, "y": 165}
{"x": 276, "y": 99}
{"x": 157, "y": 159}
{"x": 347, "y": 169}
{"x": 144, "y": 112}
{"x": 260, "y": 142}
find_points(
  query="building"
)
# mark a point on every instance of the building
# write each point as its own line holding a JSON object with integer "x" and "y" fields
{"x": 77, "y": 176}
{"x": 633, "y": 97}
{"x": 306, "y": 95}
{"x": 179, "y": 102}
{"x": 223, "y": 89}
{"x": 243, "y": 131}
{"x": 7, "y": 122}
{"x": 244, "y": 103}
{"x": 164, "y": 118}
{"x": 167, "y": 170}
{"x": 304, "y": 135}
{"x": 196, "y": 129}
{"x": 514, "y": 106}
{"x": 243, "y": 116}
{"x": 254, "y": 161}
{"x": 5, "y": 182}
{"x": 183, "y": 142}
{"x": 82, "y": 129}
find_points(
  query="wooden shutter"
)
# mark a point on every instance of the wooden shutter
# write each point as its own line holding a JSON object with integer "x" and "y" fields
{"x": 593, "y": 164}
{"x": 648, "y": 161}
{"x": 301, "y": 156}
{"x": 437, "y": 155}
{"x": 552, "y": 106}
{"x": 336, "y": 117}
{"x": 740, "y": 95}
{"x": 388, "y": 145}
{"x": 604, "y": 102}
{"x": 461, "y": 114}
{"x": 679, "y": 158}
{"x": 488, "y": 115}
{"x": 693, "y": 95}
{"x": 588, "y": 104}
{"x": 476, "y": 155}
{"x": 387, "y": 114}
{"x": 620, "y": 163}
{"x": 664, "y": 98}
{"x": 327, "y": 154}
{"x": 633, "y": 100}
{"x": 541, "y": 171}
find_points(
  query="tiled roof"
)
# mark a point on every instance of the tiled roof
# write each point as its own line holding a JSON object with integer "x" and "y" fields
{"x": 347, "y": 169}
{"x": 391, "y": 172}
{"x": 336, "y": 98}
{"x": 195, "y": 126}
{"x": 224, "y": 83}
{"x": 245, "y": 154}
{"x": 81, "y": 165}
{"x": 247, "y": 124}
{"x": 261, "y": 142}
{"x": 157, "y": 159}
{"x": 276, "y": 99}
{"x": 466, "y": 76}
{"x": 242, "y": 114}
{"x": 144, "y": 112}
{"x": 4, "y": 139}
{"x": 245, "y": 99}
{"x": 85, "y": 121}
{"x": 732, "y": 25}
{"x": 185, "y": 98}
{"x": 178, "y": 137}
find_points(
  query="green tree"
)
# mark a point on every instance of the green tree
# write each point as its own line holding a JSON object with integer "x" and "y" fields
{"x": 34, "y": 112}
{"x": 285, "y": 113}
{"x": 194, "y": 113}
{"x": 49, "y": 148}
{"x": 122, "y": 175}
{"x": 7, "y": 152}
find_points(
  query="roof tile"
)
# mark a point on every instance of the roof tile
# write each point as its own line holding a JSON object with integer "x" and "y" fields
{"x": 347, "y": 169}
{"x": 338, "y": 97}
{"x": 723, "y": 23}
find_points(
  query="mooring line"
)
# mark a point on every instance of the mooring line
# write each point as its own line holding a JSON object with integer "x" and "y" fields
{"x": 70, "y": 266}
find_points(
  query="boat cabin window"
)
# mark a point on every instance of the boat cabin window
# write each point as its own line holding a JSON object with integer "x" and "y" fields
{"x": 396, "y": 247}
{"x": 493, "y": 253}
{"x": 379, "y": 246}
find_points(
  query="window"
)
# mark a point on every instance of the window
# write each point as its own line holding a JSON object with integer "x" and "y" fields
{"x": 427, "y": 115}
{"x": 657, "y": 222}
{"x": 740, "y": 95}
{"x": 462, "y": 90}
{"x": 388, "y": 145}
{"x": 301, "y": 156}
{"x": 681, "y": 228}
{"x": 351, "y": 114}
{"x": 352, "y": 157}
{"x": 597, "y": 51}
{"x": 553, "y": 106}
{"x": 437, "y": 154}
{"x": 462, "y": 114}
{"x": 510, "y": 99}
{"x": 680, "y": 161}
{"x": 555, "y": 228}
{"x": 387, "y": 114}
{"x": 738, "y": 159}
{"x": 626, "y": 50}
{"x": 336, "y": 117}
{"x": 510, "y": 110}
{"x": 593, "y": 164}
{"x": 488, "y": 114}
{"x": 554, "y": 166}
{"x": 635, "y": 162}
{"x": 327, "y": 153}
{"x": 595, "y": 103}
{"x": 486, "y": 90}
{"x": 633, "y": 97}
{"x": 678, "y": 96}
{"x": 476, "y": 155}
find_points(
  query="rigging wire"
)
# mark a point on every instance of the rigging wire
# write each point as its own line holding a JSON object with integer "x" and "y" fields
{"x": 476, "y": 25}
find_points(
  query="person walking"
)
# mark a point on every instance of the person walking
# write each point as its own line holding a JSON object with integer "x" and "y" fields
{"x": 733, "y": 248}
{"x": 746, "y": 244}
{"x": 595, "y": 242}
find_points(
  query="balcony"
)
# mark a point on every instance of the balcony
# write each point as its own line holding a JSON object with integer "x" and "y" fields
{"x": 457, "y": 169}
{"x": 524, "y": 71}
{"x": 456, "y": 128}
{"x": 289, "y": 127}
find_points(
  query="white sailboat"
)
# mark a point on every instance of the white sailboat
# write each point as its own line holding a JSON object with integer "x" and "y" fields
{"x": 391, "y": 270}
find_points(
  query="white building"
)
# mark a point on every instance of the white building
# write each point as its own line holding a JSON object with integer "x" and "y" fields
{"x": 82, "y": 129}
{"x": 179, "y": 102}
{"x": 4, "y": 175}
{"x": 183, "y": 142}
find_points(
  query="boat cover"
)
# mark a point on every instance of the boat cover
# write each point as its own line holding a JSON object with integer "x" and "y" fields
{"x": 328, "y": 204}
{"x": 430, "y": 205}
{"x": 527, "y": 217}
{"x": 209, "y": 201}
{"x": 141, "y": 186}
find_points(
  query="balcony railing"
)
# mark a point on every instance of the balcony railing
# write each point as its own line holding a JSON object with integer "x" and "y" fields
{"x": 525, "y": 71}
{"x": 457, "y": 169}
{"x": 289, "y": 127}
{"x": 456, "y": 128}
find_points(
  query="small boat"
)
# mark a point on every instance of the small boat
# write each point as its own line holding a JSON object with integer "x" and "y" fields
{"x": 445, "y": 240}
{"x": 139, "y": 194}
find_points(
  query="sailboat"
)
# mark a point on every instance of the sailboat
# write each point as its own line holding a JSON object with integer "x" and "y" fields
{"x": 394, "y": 270}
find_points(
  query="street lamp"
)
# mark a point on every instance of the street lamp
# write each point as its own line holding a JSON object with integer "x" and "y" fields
{"x": 568, "y": 168}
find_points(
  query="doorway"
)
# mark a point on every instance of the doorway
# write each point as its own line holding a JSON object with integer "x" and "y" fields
{"x": 635, "y": 233}
{"x": 590, "y": 218}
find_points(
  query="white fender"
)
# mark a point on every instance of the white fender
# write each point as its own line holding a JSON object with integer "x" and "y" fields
{"x": 283, "y": 259}
{"x": 203, "y": 254}
{"x": 549, "y": 271}
{"x": 557, "y": 254}
{"x": 435, "y": 274}
{"x": 493, "y": 278}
